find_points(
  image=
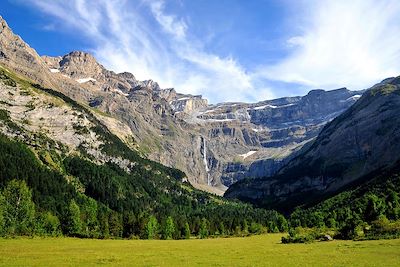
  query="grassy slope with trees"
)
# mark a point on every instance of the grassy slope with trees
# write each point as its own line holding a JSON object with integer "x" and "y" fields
{"x": 368, "y": 211}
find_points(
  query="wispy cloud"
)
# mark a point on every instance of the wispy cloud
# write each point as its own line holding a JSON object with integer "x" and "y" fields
{"x": 342, "y": 43}
{"x": 125, "y": 40}
{"x": 331, "y": 44}
{"x": 169, "y": 23}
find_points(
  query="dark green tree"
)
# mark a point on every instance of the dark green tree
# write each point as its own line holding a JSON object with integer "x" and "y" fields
{"x": 115, "y": 224}
{"x": 90, "y": 221}
{"x": 2, "y": 207}
{"x": 221, "y": 228}
{"x": 74, "y": 219}
{"x": 187, "y": 231}
{"x": 282, "y": 223}
{"x": 393, "y": 205}
{"x": 203, "y": 232}
{"x": 374, "y": 208}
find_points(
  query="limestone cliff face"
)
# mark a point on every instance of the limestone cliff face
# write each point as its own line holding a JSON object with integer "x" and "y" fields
{"x": 215, "y": 145}
{"x": 256, "y": 140}
{"x": 188, "y": 103}
{"x": 363, "y": 140}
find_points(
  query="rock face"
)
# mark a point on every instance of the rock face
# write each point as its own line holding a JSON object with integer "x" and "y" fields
{"x": 255, "y": 140}
{"x": 215, "y": 145}
{"x": 361, "y": 141}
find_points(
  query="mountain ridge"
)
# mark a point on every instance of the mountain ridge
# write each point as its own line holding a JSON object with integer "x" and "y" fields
{"x": 356, "y": 144}
{"x": 215, "y": 145}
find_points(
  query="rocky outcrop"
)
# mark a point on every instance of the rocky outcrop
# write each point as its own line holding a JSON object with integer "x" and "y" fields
{"x": 188, "y": 103}
{"x": 361, "y": 141}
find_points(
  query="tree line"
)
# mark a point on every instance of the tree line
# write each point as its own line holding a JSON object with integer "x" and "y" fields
{"x": 85, "y": 199}
{"x": 369, "y": 211}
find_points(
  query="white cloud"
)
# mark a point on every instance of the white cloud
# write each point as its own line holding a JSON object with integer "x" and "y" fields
{"x": 125, "y": 40}
{"x": 343, "y": 43}
{"x": 168, "y": 22}
{"x": 332, "y": 43}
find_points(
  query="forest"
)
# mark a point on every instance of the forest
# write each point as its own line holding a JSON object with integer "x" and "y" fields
{"x": 104, "y": 201}
{"x": 367, "y": 211}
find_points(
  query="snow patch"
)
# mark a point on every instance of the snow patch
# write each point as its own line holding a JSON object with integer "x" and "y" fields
{"x": 54, "y": 70}
{"x": 85, "y": 80}
{"x": 219, "y": 120}
{"x": 120, "y": 92}
{"x": 284, "y": 106}
{"x": 263, "y": 107}
{"x": 248, "y": 154}
{"x": 209, "y": 111}
{"x": 255, "y": 130}
{"x": 354, "y": 97}
{"x": 271, "y": 106}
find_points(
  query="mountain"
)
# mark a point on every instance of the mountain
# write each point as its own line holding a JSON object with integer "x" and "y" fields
{"x": 222, "y": 143}
{"x": 73, "y": 164}
{"x": 215, "y": 145}
{"x": 254, "y": 140}
{"x": 350, "y": 150}
{"x": 74, "y": 139}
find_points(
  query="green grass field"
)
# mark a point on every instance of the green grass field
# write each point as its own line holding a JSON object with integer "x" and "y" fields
{"x": 264, "y": 250}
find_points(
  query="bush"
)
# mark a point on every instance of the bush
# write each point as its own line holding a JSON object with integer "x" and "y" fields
{"x": 47, "y": 224}
{"x": 307, "y": 235}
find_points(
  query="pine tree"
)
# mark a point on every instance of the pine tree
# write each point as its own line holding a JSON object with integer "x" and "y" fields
{"x": 169, "y": 228}
{"x": 151, "y": 230}
{"x": 222, "y": 228}
{"x": 187, "y": 231}
{"x": 2, "y": 207}
{"x": 203, "y": 232}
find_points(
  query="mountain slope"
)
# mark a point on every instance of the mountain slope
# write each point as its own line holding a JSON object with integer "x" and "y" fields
{"x": 66, "y": 156}
{"x": 359, "y": 143}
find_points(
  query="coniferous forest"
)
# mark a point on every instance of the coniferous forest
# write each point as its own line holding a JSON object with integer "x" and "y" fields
{"x": 104, "y": 201}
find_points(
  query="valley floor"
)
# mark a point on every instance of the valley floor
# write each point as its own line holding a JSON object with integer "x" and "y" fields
{"x": 264, "y": 250}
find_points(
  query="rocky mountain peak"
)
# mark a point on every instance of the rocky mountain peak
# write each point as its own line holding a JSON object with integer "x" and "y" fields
{"x": 78, "y": 63}
{"x": 150, "y": 84}
{"x": 18, "y": 56}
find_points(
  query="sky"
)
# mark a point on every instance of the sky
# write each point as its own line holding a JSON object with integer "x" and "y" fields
{"x": 225, "y": 50}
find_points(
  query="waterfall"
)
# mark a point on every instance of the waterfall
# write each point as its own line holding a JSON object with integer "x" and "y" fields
{"x": 206, "y": 161}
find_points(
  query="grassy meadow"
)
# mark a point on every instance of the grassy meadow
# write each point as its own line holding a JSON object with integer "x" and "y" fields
{"x": 264, "y": 250}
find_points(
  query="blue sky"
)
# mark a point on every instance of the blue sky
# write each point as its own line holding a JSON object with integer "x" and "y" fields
{"x": 226, "y": 50}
